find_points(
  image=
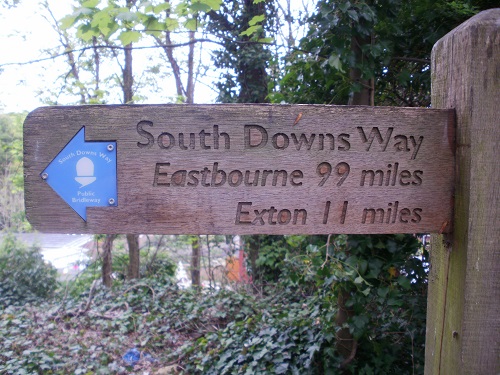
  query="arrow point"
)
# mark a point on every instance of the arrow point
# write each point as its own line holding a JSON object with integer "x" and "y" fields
{"x": 83, "y": 174}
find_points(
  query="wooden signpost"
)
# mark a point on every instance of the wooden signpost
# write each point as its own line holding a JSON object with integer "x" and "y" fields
{"x": 463, "y": 310}
{"x": 304, "y": 169}
{"x": 225, "y": 169}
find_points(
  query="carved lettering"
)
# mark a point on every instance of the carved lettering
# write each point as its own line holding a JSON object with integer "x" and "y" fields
{"x": 145, "y": 134}
{"x": 324, "y": 170}
{"x": 391, "y": 176}
{"x": 401, "y": 142}
{"x": 268, "y": 216}
{"x": 166, "y": 140}
{"x": 391, "y": 215}
{"x": 256, "y": 137}
{"x": 165, "y": 175}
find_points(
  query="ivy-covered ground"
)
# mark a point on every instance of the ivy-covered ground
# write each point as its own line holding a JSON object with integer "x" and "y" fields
{"x": 286, "y": 326}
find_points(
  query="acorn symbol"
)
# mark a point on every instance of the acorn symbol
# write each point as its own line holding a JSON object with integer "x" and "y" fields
{"x": 85, "y": 172}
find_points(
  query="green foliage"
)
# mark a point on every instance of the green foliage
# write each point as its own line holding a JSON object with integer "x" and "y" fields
{"x": 289, "y": 330}
{"x": 292, "y": 328}
{"x": 159, "y": 266}
{"x": 11, "y": 173}
{"x": 162, "y": 267}
{"x": 265, "y": 253}
{"x": 283, "y": 335}
{"x": 24, "y": 275}
{"x": 395, "y": 37}
{"x": 11, "y": 137}
{"x": 99, "y": 30}
{"x": 84, "y": 279}
{"x": 90, "y": 333}
{"x": 386, "y": 276}
{"x": 243, "y": 60}
{"x": 130, "y": 23}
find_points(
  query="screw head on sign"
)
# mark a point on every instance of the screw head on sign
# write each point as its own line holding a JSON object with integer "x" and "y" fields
{"x": 45, "y": 176}
{"x": 111, "y": 201}
{"x": 110, "y": 147}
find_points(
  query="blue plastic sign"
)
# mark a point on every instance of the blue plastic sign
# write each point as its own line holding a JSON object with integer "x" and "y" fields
{"x": 84, "y": 174}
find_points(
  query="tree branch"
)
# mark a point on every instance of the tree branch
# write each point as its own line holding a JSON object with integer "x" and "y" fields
{"x": 411, "y": 59}
{"x": 112, "y": 47}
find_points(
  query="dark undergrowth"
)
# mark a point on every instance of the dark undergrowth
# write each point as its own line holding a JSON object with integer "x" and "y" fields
{"x": 288, "y": 327}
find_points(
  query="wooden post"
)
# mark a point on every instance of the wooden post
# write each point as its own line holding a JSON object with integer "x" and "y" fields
{"x": 463, "y": 313}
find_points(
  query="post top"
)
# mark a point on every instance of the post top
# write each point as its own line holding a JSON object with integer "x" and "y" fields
{"x": 486, "y": 19}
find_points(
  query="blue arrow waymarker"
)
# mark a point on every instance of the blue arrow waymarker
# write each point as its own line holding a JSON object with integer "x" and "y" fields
{"x": 84, "y": 174}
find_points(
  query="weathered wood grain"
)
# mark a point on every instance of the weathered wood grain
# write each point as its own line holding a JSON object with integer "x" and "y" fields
{"x": 463, "y": 323}
{"x": 408, "y": 151}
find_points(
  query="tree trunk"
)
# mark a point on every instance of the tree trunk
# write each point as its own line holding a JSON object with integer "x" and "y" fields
{"x": 176, "y": 70}
{"x": 169, "y": 52}
{"x": 128, "y": 95}
{"x": 107, "y": 260}
{"x": 252, "y": 73}
{"x": 128, "y": 78}
{"x": 190, "y": 79}
{"x": 365, "y": 94}
{"x": 253, "y": 245}
{"x": 195, "y": 262}
{"x": 345, "y": 344}
{"x": 128, "y": 98}
{"x": 134, "y": 257}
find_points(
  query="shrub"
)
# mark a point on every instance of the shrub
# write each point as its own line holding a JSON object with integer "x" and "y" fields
{"x": 24, "y": 275}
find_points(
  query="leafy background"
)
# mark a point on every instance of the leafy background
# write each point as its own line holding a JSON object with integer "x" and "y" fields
{"x": 316, "y": 304}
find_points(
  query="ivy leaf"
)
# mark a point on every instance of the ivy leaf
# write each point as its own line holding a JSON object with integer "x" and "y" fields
{"x": 200, "y": 7}
{"x": 181, "y": 9}
{"x": 251, "y": 30}
{"x": 127, "y": 16}
{"x": 394, "y": 302}
{"x": 102, "y": 20}
{"x": 404, "y": 282}
{"x": 360, "y": 322}
{"x": 266, "y": 40}
{"x": 358, "y": 280}
{"x": 313, "y": 349}
{"x": 382, "y": 291}
{"x": 349, "y": 273}
{"x": 334, "y": 62}
{"x": 256, "y": 19}
{"x": 161, "y": 8}
{"x": 213, "y": 4}
{"x": 127, "y": 37}
{"x": 67, "y": 22}
{"x": 153, "y": 27}
{"x": 191, "y": 24}
{"x": 343, "y": 7}
{"x": 90, "y": 3}
{"x": 281, "y": 369}
{"x": 404, "y": 77}
{"x": 171, "y": 24}
{"x": 353, "y": 15}
{"x": 82, "y": 12}
{"x": 363, "y": 265}
{"x": 86, "y": 32}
